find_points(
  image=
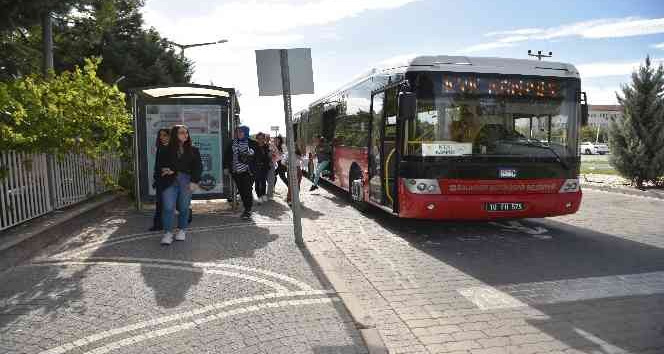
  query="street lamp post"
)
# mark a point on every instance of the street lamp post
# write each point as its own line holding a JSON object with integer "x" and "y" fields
{"x": 539, "y": 54}
{"x": 185, "y": 46}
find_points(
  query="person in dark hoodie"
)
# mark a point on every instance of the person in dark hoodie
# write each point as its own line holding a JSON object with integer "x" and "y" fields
{"x": 181, "y": 168}
{"x": 263, "y": 159}
{"x": 163, "y": 139}
{"x": 239, "y": 160}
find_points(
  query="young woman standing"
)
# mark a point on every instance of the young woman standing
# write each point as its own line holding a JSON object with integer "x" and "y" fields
{"x": 271, "y": 176}
{"x": 163, "y": 137}
{"x": 281, "y": 162}
{"x": 263, "y": 159}
{"x": 298, "y": 164}
{"x": 180, "y": 168}
{"x": 161, "y": 144}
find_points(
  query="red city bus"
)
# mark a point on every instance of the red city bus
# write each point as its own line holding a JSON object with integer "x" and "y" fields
{"x": 440, "y": 137}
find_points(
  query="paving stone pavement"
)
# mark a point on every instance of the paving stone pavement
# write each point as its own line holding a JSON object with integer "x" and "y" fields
{"x": 232, "y": 287}
{"x": 592, "y": 282}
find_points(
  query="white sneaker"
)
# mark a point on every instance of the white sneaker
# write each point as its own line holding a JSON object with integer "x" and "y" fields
{"x": 265, "y": 199}
{"x": 167, "y": 239}
{"x": 180, "y": 236}
{"x": 259, "y": 201}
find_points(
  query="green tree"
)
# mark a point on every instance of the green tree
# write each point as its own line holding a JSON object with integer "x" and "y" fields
{"x": 72, "y": 111}
{"x": 110, "y": 29}
{"x": 637, "y": 140}
{"x": 113, "y": 29}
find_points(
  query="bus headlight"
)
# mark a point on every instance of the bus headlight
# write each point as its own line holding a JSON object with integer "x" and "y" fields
{"x": 423, "y": 186}
{"x": 570, "y": 186}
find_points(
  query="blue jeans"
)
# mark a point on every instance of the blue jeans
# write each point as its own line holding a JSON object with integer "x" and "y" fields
{"x": 322, "y": 166}
{"x": 177, "y": 194}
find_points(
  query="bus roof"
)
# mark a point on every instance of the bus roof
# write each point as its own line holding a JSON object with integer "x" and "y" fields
{"x": 485, "y": 65}
{"x": 464, "y": 64}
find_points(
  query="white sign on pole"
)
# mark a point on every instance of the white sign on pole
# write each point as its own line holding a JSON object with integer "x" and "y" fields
{"x": 300, "y": 71}
{"x": 287, "y": 72}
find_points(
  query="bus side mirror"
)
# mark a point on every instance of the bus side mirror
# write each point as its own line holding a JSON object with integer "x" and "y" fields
{"x": 407, "y": 105}
{"x": 584, "y": 109}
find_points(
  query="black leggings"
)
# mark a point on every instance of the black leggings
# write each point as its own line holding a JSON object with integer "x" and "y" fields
{"x": 281, "y": 172}
{"x": 244, "y": 182}
{"x": 261, "y": 182}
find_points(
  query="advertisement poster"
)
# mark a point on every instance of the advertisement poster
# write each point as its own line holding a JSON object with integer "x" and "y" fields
{"x": 204, "y": 123}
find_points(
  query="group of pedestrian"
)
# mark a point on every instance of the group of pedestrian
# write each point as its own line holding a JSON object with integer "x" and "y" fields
{"x": 255, "y": 165}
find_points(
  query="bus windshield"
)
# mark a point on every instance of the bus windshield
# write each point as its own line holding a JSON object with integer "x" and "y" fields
{"x": 471, "y": 114}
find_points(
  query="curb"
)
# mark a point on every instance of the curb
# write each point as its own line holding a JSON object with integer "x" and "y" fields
{"x": 364, "y": 323}
{"x": 626, "y": 191}
{"x": 42, "y": 231}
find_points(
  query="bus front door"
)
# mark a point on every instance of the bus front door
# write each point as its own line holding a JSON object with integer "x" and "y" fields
{"x": 383, "y": 148}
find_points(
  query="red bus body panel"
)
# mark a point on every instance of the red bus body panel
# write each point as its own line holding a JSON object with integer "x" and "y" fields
{"x": 466, "y": 199}
{"x": 343, "y": 158}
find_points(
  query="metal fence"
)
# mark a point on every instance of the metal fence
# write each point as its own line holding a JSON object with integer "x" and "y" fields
{"x": 32, "y": 185}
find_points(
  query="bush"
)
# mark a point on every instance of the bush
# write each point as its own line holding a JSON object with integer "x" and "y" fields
{"x": 72, "y": 111}
{"x": 637, "y": 140}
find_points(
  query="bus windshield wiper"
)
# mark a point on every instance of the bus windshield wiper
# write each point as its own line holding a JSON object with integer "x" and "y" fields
{"x": 540, "y": 145}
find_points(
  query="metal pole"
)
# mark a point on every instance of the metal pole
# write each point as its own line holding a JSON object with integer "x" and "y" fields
{"x": 292, "y": 168}
{"x": 47, "y": 42}
{"x": 231, "y": 121}
{"x": 137, "y": 184}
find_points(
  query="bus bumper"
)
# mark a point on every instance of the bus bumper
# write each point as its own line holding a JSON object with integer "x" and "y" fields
{"x": 473, "y": 207}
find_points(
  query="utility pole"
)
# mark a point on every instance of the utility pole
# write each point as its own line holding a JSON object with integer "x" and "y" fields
{"x": 290, "y": 141}
{"x": 47, "y": 42}
{"x": 539, "y": 54}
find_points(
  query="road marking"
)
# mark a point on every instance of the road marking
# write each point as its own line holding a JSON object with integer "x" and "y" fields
{"x": 144, "y": 235}
{"x": 488, "y": 298}
{"x": 518, "y": 226}
{"x": 566, "y": 290}
{"x": 187, "y": 325}
{"x": 299, "y": 284}
{"x": 596, "y": 190}
{"x": 269, "y": 283}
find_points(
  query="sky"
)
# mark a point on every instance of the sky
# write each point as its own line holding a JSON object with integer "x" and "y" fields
{"x": 605, "y": 39}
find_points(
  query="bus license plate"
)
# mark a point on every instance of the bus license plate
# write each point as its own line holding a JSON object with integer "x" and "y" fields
{"x": 504, "y": 206}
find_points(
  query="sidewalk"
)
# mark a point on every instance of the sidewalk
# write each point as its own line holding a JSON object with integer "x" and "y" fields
{"x": 232, "y": 287}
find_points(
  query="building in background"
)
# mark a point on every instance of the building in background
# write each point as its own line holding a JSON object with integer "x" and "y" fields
{"x": 601, "y": 115}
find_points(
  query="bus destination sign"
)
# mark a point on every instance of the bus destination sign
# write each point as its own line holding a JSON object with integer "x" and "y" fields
{"x": 514, "y": 86}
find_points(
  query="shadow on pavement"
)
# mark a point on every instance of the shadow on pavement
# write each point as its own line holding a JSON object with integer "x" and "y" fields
{"x": 271, "y": 209}
{"x": 310, "y": 213}
{"x": 567, "y": 276}
{"x": 538, "y": 272}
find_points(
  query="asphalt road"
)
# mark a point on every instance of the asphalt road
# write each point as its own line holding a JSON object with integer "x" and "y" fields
{"x": 592, "y": 282}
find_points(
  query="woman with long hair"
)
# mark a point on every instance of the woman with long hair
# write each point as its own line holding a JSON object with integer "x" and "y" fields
{"x": 161, "y": 143}
{"x": 298, "y": 165}
{"x": 263, "y": 160}
{"x": 180, "y": 167}
{"x": 281, "y": 162}
{"x": 271, "y": 168}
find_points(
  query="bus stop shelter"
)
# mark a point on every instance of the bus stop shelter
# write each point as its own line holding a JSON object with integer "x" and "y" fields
{"x": 210, "y": 113}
